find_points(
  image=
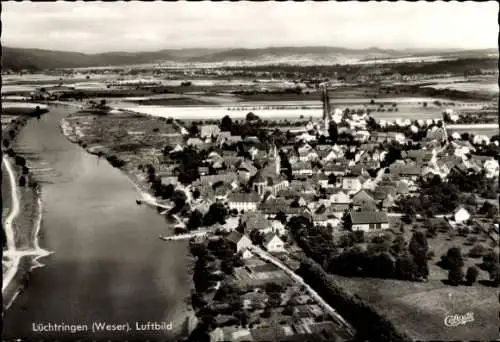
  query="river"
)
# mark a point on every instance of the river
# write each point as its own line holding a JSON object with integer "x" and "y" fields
{"x": 108, "y": 263}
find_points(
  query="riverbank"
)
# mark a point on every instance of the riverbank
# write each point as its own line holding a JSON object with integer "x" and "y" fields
{"x": 74, "y": 134}
{"x": 22, "y": 228}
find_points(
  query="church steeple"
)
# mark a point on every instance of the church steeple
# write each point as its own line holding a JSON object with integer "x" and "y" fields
{"x": 277, "y": 160}
{"x": 327, "y": 115}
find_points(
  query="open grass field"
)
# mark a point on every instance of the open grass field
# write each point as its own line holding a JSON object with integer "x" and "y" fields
{"x": 420, "y": 308}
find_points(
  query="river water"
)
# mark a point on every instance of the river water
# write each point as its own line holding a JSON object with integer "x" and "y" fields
{"x": 108, "y": 263}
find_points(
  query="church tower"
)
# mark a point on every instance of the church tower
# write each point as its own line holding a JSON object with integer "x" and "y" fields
{"x": 277, "y": 160}
{"x": 327, "y": 115}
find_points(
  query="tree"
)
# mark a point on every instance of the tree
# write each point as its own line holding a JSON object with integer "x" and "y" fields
{"x": 20, "y": 161}
{"x": 22, "y": 181}
{"x": 332, "y": 179}
{"x": 227, "y": 267}
{"x": 381, "y": 265}
{"x": 409, "y": 215}
{"x": 495, "y": 275}
{"x": 193, "y": 130}
{"x": 333, "y": 132}
{"x": 478, "y": 251}
{"x": 406, "y": 268}
{"x": 226, "y": 123}
{"x": 393, "y": 154}
{"x": 281, "y": 216}
{"x": 398, "y": 245}
{"x": 347, "y": 221}
{"x": 359, "y": 236}
{"x": 167, "y": 149}
{"x": 257, "y": 237}
{"x": 243, "y": 317}
{"x": 179, "y": 198}
{"x": 452, "y": 259}
{"x": 490, "y": 260}
{"x": 217, "y": 213}
{"x": 267, "y": 312}
{"x": 167, "y": 191}
{"x": 489, "y": 210}
{"x": 418, "y": 248}
{"x": 471, "y": 275}
{"x": 252, "y": 117}
{"x": 346, "y": 240}
{"x": 196, "y": 194}
{"x": 455, "y": 275}
{"x": 195, "y": 220}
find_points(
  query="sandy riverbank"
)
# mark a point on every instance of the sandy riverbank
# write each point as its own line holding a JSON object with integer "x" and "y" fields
{"x": 22, "y": 227}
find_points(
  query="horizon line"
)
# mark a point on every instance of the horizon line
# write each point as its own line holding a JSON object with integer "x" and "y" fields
{"x": 407, "y": 49}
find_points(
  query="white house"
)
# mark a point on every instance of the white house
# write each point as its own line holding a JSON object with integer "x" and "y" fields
{"x": 453, "y": 116}
{"x": 177, "y": 148}
{"x": 304, "y": 149}
{"x": 369, "y": 220}
{"x": 460, "y": 215}
{"x": 253, "y": 152}
{"x": 194, "y": 142}
{"x": 310, "y": 126}
{"x": 340, "y": 197}
{"x": 241, "y": 242}
{"x": 272, "y": 243}
{"x": 481, "y": 139}
{"x": 306, "y": 137}
{"x": 332, "y": 155}
{"x": 337, "y": 115}
{"x": 351, "y": 184}
{"x": 362, "y": 135}
{"x": 491, "y": 167}
{"x": 277, "y": 227}
{"x": 243, "y": 201}
{"x": 399, "y": 137}
{"x": 462, "y": 148}
{"x": 308, "y": 156}
{"x": 302, "y": 168}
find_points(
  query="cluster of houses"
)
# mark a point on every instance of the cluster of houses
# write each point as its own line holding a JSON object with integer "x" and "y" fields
{"x": 325, "y": 185}
{"x": 325, "y": 181}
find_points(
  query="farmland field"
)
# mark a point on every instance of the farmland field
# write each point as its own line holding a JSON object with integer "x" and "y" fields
{"x": 467, "y": 86}
{"x": 272, "y": 110}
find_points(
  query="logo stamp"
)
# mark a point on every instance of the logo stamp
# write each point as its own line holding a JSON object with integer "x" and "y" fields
{"x": 456, "y": 320}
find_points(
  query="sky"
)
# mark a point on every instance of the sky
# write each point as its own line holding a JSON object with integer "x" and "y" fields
{"x": 94, "y": 27}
